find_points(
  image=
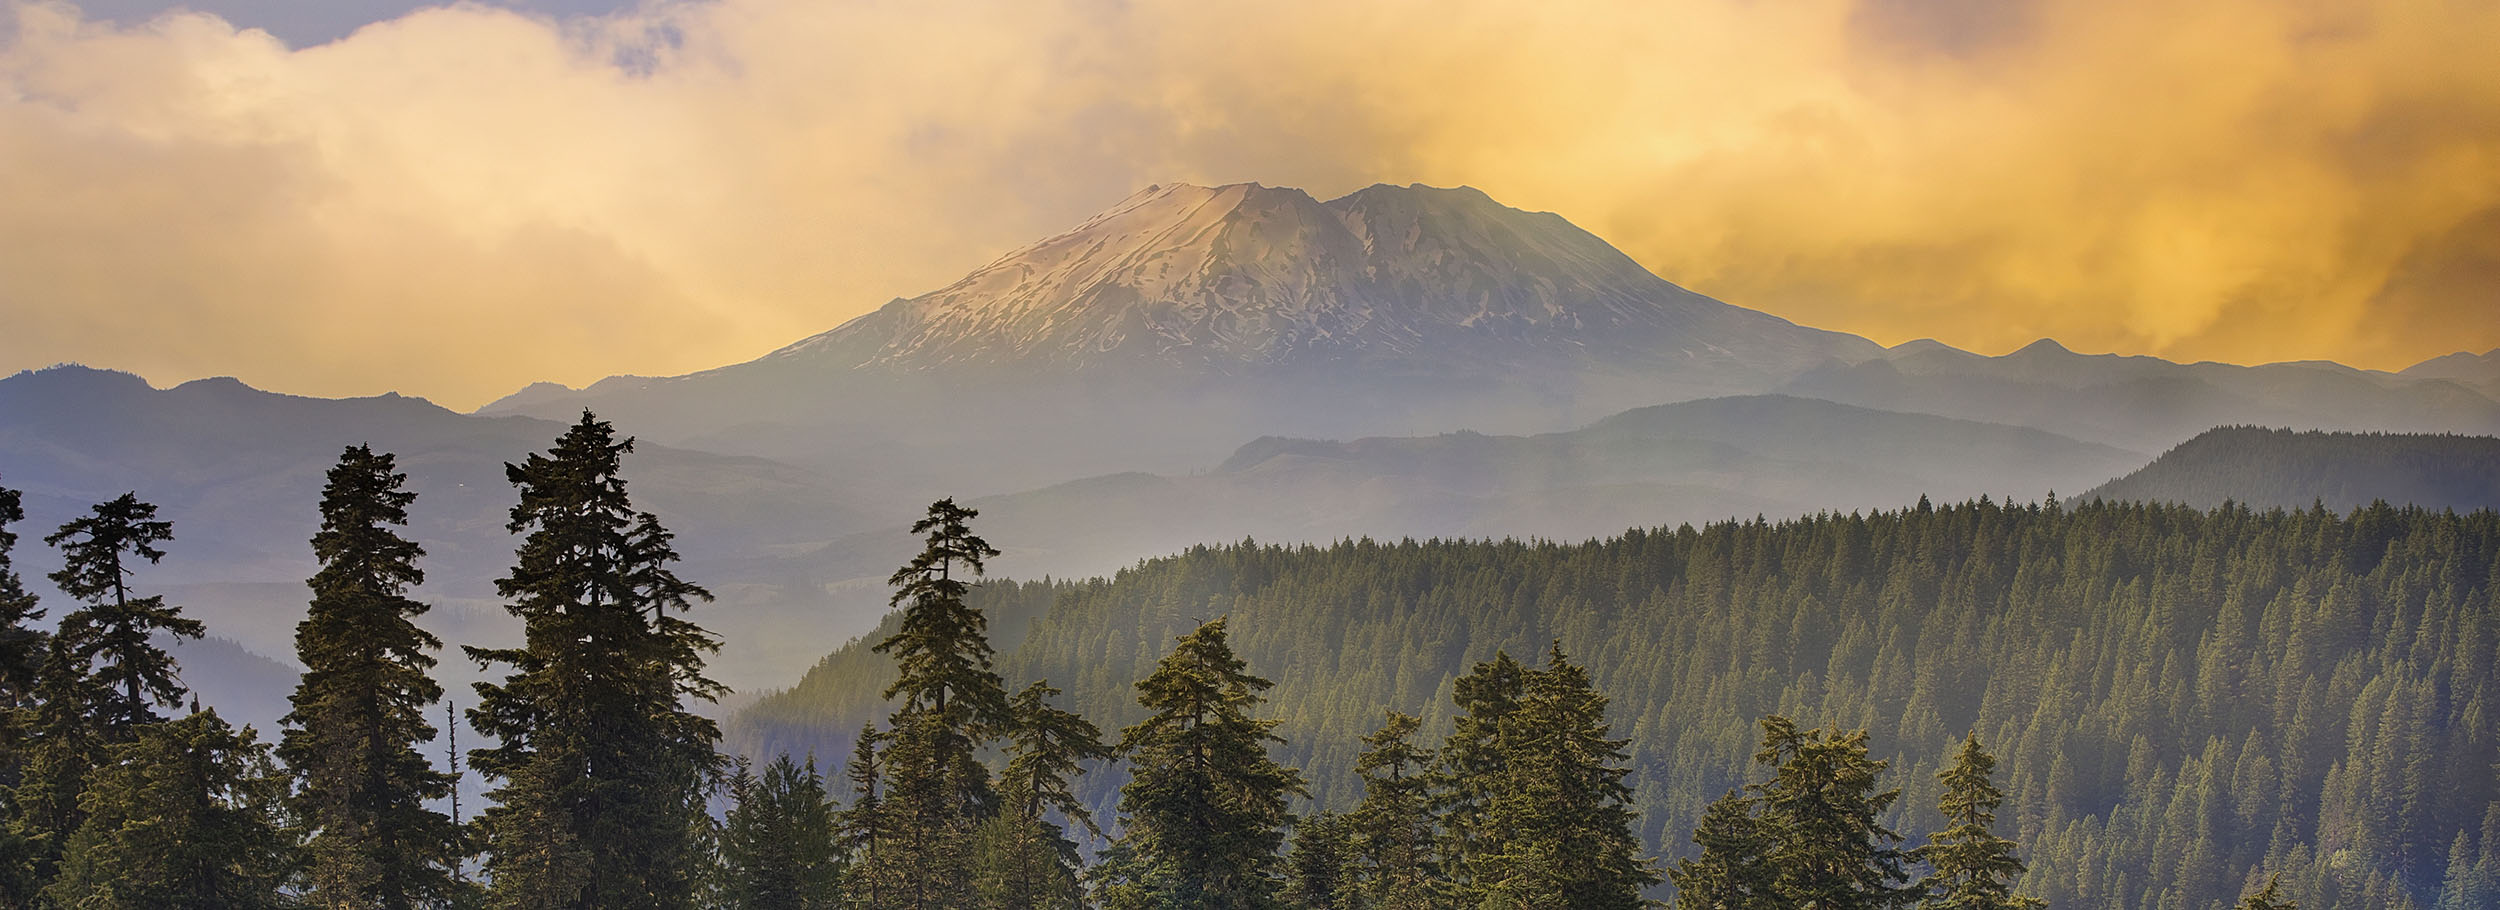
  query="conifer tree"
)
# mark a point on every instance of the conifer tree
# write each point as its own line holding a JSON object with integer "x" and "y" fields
{"x": 1025, "y": 861}
{"x": 1203, "y": 812}
{"x": 22, "y": 648}
{"x": 949, "y": 703}
{"x": 359, "y": 709}
{"x": 778, "y": 841}
{"x": 1830, "y": 849}
{"x": 1318, "y": 869}
{"x": 62, "y": 744}
{"x": 185, "y": 816}
{"x": 1564, "y": 807}
{"x": 1472, "y": 769}
{"x": 2268, "y": 898}
{"x": 108, "y": 638}
{"x": 1972, "y": 868}
{"x": 102, "y": 675}
{"x": 1733, "y": 870}
{"x": 602, "y": 766}
{"x": 941, "y": 648}
{"x": 22, "y": 644}
{"x": 1391, "y": 831}
{"x": 862, "y": 827}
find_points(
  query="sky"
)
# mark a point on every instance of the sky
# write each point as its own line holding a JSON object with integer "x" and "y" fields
{"x": 359, "y": 196}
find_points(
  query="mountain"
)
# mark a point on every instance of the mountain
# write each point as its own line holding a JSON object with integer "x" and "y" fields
{"x": 2480, "y": 372}
{"x": 2183, "y": 701}
{"x": 1163, "y": 332}
{"x": 244, "y": 687}
{"x": 2145, "y": 403}
{"x": 2275, "y": 468}
{"x": 1692, "y": 462}
{"x": 239, "y": 472}
{"x": 1159, "y": 334}
{"x": 1243, "y": 279}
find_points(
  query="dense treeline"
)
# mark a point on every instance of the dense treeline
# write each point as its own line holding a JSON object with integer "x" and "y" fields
{"x": 2186, "y": 703}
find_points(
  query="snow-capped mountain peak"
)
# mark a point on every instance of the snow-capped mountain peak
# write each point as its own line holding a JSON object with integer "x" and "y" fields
{"x": 1244, "y": 276}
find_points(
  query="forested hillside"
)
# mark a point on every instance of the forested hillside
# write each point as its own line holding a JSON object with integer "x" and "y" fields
{"x": 2184, "y": 702}
{"x": 2295, "y": 469}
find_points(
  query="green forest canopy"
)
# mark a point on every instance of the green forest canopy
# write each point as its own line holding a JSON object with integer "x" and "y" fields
{"x": 2184, "y": 702}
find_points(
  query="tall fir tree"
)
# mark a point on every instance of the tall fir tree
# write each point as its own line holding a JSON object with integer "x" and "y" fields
{"x": 1564, "y": 807}
{"x": 360, "y": 707}
{"x": 62, "y": 743}
{"x": 778, "y": 843}
{"x": 1971, "y": 867}
{"x": 1733, "y": 871}
{"x": 602, "y": 766}
{"x": 102, "y": 676}
{"x": 184, "y": 816}
{"x": 949, "y": 704}
{"x": 22, "y": 643}
{"x": 1319, "y": 867}
{"x": 1026, "y": 861}
{"x": 1204, "y": 810}
{"x": 862, "y": 827}
{"x": 1831, "y": 849}
{"x": 1472, "y": 768}
{"x": 1391, "y": 832}
{"x": 22, "y": 649}
{"x": 109, "y": 639}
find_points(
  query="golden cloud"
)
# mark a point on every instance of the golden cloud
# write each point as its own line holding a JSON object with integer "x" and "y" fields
{"x": 466, "y": 199}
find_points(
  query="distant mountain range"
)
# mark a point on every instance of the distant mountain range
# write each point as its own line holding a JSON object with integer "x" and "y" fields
{"x": 1195, "y": 364}
{"x": 239, "y": 472}
{"x": 2480, "y": 372}
{"x": 2275, "y": 468}
{"x": 2146, "y": 403}
{"x": 1692, "y": 462}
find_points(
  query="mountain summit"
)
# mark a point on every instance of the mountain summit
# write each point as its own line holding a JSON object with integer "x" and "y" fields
{"x": 1159, "y": 334}
{"x": 1236, "y": 278}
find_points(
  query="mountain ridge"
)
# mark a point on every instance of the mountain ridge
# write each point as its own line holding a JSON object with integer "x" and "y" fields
{"x": 2267, "y": 467}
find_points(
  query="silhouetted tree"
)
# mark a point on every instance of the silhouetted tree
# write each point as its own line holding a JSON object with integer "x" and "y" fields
{"x": 109, "y": 637}
{"x": 602, "y": 764}
{"x": 359, "y": 709}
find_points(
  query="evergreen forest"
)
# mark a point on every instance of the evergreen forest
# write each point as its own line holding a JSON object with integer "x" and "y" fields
{"x": 1980, "y": 706}
{"x": 2183, "y": 705}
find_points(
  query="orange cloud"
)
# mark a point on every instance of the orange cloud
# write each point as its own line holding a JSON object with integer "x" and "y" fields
{"x": 466, "y": 199}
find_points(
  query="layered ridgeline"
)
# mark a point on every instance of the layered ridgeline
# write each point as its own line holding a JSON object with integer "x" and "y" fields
{"x": 2184, "y": 702}
{"x": 1690, "y": 462}
{"x": 2480, "y": 372}
{"x": 2150, "y": 404}
{"x": 2293, "y": 469}
{"x": 237, "y": 469}
{"x": 1186, "y": 320}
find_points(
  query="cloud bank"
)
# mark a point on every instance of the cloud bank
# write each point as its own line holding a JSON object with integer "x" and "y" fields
{"x": 464, "y": 199}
